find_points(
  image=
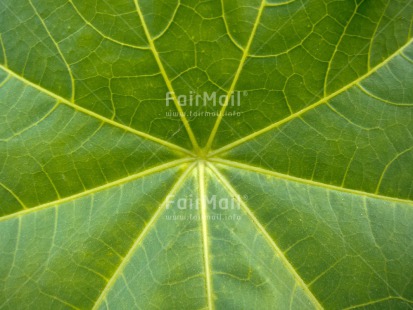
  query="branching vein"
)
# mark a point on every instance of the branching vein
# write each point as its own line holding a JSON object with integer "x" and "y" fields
{"x": 310, "y": 107}
{"x": 269, "y": 239}
{"x": 93, "y": 114}
{"x": 166, "y": 78}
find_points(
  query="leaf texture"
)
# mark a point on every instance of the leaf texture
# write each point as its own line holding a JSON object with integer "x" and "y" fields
{"x": 113, "y": 196}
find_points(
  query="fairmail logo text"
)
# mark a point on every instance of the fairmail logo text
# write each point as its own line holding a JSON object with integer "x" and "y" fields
{"x": 205, "y": 99}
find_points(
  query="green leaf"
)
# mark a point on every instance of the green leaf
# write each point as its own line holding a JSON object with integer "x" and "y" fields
{"x": 116, "y": 195}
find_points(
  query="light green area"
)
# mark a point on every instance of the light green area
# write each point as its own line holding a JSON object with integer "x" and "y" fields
{"x": 302, "y": 201}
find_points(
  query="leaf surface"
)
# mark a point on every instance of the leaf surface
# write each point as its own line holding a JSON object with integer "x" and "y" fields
{"x": 115, "y": 194}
